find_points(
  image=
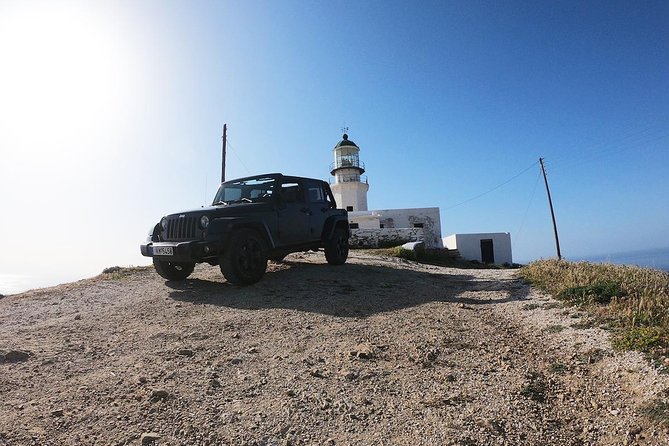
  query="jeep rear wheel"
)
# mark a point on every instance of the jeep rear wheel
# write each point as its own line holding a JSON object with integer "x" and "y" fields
{"x": 173, "y": 270}
{"x": 245, "y": 260}
{"x": 336, "y": 249}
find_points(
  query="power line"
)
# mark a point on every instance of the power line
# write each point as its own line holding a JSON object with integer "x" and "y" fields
{"x": 238, "y": 158}
{"x": 626, "y": 142}
{"x": 494, "y": 188}
{"x": 620, "y": 147}
{"x": 527, "y": 209}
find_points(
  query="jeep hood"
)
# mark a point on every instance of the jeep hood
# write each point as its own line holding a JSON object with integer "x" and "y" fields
{"x": 230, "y": 210}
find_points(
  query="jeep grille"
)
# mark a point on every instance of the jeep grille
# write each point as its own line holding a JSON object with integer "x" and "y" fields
{"x": 183, "y": 228}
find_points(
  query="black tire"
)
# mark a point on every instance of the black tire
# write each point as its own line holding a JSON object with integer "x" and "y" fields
{"x": 173, "y": 270}
{"x": 336, "y": 249}
{"x": 245, "y": 260}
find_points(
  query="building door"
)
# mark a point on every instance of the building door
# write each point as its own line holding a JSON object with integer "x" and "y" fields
{"x": 487, "y": 252}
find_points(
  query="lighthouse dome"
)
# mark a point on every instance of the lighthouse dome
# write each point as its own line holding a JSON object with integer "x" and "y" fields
{"x": 346, "y": 142}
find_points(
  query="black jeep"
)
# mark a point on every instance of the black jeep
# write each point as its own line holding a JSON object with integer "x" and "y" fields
{"x": 251, "y": 220}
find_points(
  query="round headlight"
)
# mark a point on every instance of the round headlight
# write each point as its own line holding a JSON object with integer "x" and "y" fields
{"x": 204, "y": 222}
{"x": 163, "y": 223}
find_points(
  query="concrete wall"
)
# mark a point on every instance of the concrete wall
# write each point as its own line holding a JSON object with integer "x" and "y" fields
{"x": 469, "y": 245}
{"x": 365, "y": 220}
{"x": 405, "y": 218}
{"x": 386, "y": 237}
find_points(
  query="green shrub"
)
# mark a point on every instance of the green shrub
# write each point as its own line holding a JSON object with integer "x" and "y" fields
{"x": 638, "y": 338}
{"x": 596, "y": 293}
{"x": 407, "y": 254}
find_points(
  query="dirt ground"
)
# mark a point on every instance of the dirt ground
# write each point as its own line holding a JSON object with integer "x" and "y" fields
{"x": 380, "y": 351}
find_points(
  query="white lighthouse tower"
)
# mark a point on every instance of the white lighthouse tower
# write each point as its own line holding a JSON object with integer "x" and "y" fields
{"x": 349, "y": 190}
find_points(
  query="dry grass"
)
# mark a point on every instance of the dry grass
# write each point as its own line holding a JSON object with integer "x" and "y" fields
{"x": 120, "y": 272}
{"x": 635, "y": 300}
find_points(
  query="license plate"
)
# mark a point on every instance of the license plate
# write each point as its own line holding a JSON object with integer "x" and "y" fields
{"x": 163, "y": 250}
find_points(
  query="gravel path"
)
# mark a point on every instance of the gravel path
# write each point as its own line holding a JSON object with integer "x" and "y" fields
{"x": 379, "y": 351}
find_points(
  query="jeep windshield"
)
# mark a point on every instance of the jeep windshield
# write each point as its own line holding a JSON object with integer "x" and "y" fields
{"x": 247, "y": 190}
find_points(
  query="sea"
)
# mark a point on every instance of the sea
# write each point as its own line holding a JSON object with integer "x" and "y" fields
{"x": 657, "y": 258}
{"x": 18, "y": 283}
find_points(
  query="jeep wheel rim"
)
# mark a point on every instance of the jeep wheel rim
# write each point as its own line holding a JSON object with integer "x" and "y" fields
{"x": 342, "y": 248}
{"x": 250, "y": 256}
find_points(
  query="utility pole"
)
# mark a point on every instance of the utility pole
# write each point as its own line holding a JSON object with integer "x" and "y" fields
{"x": 550, "y": 203}
{"x": 225, "y": 140}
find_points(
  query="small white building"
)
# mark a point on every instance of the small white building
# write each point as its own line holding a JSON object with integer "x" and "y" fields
{"x": 493, "y": 247}
{"x": 377, "y": 228}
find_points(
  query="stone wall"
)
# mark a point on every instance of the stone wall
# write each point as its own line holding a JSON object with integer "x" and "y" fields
{"x": 426, "y": 218}
{"x": 385, "y": 237}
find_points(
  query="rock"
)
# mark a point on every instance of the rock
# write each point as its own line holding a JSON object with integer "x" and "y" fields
{"x": 158, "y": 395}
{"x": 77, "y": 317}
{"x": 490, "y": 425}
{"x": 363, "y": 351}
{"x": 349, "y": 374}
{"x": 235, "y": 361}
{"x": 185, "y": 352}
{"x": 316, "y": 373}
{"x": 58, "y": 413}
{"x": 291, "y": 393}
{"x": 615, "y": 412}
{"x": 414, "y": 246}
{"x": 149, "y": 437}
{"x": 253, "y": 350}
{"x": 14, "y": 356}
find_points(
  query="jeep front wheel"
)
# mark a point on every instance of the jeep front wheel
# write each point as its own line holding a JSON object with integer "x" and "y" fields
{"x": 245, "y": 260}
{"x": 336, "y": 249}
{"x": 173, "y": 270}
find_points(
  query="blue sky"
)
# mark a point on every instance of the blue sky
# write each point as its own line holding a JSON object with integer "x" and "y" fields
{"x": 113, "y": 113}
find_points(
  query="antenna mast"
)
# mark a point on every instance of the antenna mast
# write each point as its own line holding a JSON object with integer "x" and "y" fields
{"x": 550, "y": 203}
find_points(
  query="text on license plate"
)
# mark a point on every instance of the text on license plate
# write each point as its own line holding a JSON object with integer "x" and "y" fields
{"x": 163, "y": 250}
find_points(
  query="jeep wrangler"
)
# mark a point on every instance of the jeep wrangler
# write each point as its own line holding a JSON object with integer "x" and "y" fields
{"x": 251, "y": 220}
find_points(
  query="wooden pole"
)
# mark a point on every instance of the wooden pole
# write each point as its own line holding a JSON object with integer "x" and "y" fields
{"x": 225, "y": 140}
{"x": 550, "y": 203}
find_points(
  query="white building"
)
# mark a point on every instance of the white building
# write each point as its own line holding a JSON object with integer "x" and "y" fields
{"x": 493, "y": 247}
{"x": 377, "y": 228}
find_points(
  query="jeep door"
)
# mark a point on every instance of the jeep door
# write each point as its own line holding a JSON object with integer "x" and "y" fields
{"x": 293, "y": 213}
{"x": 319, "y": 207}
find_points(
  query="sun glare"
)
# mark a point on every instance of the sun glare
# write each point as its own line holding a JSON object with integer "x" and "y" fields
{"x": 64, "y": 73}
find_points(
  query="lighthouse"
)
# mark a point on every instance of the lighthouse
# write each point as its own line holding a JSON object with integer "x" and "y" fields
{"x": 349, "y": 190}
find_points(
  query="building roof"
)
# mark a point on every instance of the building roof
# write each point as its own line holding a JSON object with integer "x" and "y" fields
{"x": 346, "y": 142}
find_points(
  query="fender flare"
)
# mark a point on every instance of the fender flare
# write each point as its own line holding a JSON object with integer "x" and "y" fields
{"x": 332, "y": 223}
{"x": 225, "y": 226}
